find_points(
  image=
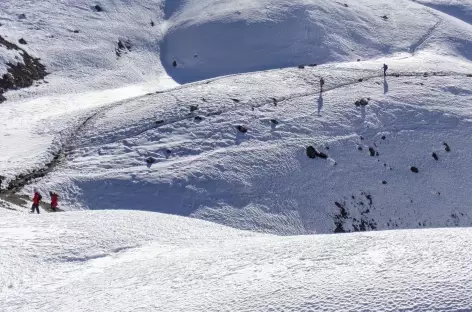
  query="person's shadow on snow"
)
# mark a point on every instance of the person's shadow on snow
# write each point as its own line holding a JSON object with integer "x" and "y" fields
{"x": 320, "y": 103}
{"x": 385, "y": 85}
{"x": 363, "y": 113}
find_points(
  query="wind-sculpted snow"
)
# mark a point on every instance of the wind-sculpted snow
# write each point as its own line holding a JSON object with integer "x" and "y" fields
{"x": 136, "y": 261}
{"x": 208, "y": 38}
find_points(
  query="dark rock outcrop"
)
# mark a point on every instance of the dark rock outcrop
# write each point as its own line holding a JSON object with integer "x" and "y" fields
{"x": 22, "y": 74}
{"x": 241, "y": 129}
{"x": 312, "y": 152}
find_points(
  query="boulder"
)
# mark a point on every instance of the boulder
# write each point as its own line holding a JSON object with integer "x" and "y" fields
{"x": 372, "y": 151}
{"x": 150, "y": 160}
{"x": 312, "y": 152}
{"x": 241, "y": 129}
{"x": 446, "y": 147}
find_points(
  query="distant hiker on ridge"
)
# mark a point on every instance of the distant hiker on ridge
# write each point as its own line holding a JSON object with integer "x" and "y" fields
{"x": 385, "y": 67}
{"x": 322, "y": 82}
{"x": 36, "y": 199}
{"x": 54, "y": 197}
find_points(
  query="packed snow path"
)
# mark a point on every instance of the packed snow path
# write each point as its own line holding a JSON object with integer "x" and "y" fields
{"x": 70, "y": 142}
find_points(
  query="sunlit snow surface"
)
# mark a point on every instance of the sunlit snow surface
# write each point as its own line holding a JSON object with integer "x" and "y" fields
{"x": 138, "y": 261}
{"x": 107, "y": 113}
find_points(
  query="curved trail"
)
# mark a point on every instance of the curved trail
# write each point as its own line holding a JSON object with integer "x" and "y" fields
{"x": 161, "y": 123}
{"x": 16, "y": 184}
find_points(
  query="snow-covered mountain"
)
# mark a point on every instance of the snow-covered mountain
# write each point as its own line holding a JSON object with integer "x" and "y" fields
{"x": 210, "y": 109}
{"x": 94, "y": 142}
{"x": 178, "y": 151}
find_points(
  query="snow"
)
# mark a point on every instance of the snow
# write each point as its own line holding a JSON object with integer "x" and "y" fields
{"x": 136, "y": 235}
{"x": 262, "y": 180}
{"x": 8, "y": 57}
{"x": 138, "y": 261}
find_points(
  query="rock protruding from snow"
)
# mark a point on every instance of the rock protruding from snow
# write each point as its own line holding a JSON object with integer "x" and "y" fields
{"x": 21, "y": 74}
{"x": 312, "y": 152}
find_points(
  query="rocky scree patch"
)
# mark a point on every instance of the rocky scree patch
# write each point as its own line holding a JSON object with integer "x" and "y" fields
{"x": 22, "y": 74}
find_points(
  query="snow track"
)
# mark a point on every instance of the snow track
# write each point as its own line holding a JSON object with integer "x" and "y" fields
{"x": 74, "y": 141}
{"x": 157, "y": 123}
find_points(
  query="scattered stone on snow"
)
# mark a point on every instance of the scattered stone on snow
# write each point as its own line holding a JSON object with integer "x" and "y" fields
{"x": 312, "y": 152}
{"x": 150, "y": 160}
{"x": 361, "y": 102}
{"x": 193, "y": 108}
{"x": 414, "y": 169}
{"x": 435, "y": 156}
{"x": 241, "y": 129}
{"x": 123, "y": 47}
{"x": 447, "y": 148}
{"x": 372, "y": 151}
{"x": 22, "y": 41}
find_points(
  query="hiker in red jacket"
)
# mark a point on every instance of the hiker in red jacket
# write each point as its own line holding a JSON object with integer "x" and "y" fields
{"x": 54, "y": 197}
{"x": 36, "y": 199}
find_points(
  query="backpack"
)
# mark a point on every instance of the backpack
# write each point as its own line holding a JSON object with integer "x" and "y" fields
{"x": 39, "y": 197}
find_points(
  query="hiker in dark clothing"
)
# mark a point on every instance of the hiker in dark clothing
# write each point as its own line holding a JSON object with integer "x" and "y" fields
{"x": 36, "y": 199}
{"x": 385, "y": 67}
{"x": 54, "y": 197}
{"x": 322, "y": 82}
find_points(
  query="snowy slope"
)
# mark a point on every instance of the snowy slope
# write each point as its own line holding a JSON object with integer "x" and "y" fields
{"x": 210, "y": 38}
{"x": 79, "y": 47}
{"x": 124, "y": 121}
{"x": 261, "y": 180}
{"x": 137, "y": 261}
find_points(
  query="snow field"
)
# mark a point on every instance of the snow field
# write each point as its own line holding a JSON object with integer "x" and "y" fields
{"x": 137, "y": 261}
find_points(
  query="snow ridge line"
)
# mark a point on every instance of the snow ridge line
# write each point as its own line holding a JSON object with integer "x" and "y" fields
{"x": 22, "y": 180}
